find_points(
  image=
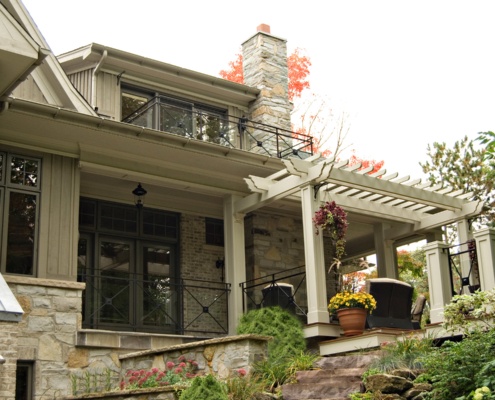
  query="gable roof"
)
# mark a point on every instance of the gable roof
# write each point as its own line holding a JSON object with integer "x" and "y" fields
{"x": 43, "y": 65}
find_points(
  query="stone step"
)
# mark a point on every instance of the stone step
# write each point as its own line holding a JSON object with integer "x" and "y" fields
{"x": 337, "y": 377}
{"x": 352, "y": 361}
{"x": 314, "y": 391}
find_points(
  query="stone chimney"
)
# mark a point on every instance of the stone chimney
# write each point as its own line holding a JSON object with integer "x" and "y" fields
{"x": 265, "y": 67}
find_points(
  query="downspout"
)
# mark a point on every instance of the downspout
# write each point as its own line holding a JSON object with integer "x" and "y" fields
{"x": 93, "y": 81}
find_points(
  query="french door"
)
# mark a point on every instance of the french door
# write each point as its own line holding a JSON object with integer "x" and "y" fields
{"x": 131, "y": 282}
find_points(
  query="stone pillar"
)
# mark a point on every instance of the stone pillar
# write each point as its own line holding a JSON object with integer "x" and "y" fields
{"x": 265, "y": 67}
{"x": 437, "y": 263}
{"x": 485, "y": 249}
{"x": 235, "y": 259}
{"x": 315, "y": 260}
{"x": 386, "y": 254}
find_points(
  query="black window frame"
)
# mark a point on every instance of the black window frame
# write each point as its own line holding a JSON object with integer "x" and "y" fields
{"x": 28, "y": 190}
{"x": 214, "y": 232}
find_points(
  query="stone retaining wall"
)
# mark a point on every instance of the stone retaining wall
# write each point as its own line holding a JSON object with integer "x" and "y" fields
{"x": 219, "y": 356}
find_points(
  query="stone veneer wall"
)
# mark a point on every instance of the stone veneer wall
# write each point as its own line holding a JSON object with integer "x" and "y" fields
{"x": 275, "y": 243}
{"x": 47, "y": 333}
{"x": 265, "y": 67}
{"x": 8, "y": 350}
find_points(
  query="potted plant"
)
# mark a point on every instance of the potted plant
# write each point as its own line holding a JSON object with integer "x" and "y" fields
{"x": 352, "y": 309}
{"x": 332, "y": 218}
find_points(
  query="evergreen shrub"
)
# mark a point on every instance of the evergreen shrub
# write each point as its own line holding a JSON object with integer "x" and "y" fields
{"x": 286, "y": 330}
{"x": 204, "y": 388}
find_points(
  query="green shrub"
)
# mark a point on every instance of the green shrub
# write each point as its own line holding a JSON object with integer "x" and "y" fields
{"x": 286, "y": 330}
{"x": 204, "y": 388}
{"x": 486, "y": 375}
{"x": 286, "y": 352}
{"x": 470, "y": 311}
{"x": 455, "y": 368}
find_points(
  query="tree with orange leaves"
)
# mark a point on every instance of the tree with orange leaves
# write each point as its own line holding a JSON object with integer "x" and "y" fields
{"x": 297, "y": 64}
{"x": 377, "y": 165}
{"x": 314, "y": 115}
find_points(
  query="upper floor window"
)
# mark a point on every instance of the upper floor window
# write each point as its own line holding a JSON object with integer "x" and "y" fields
{"x": 19, "y": 199}
{"x": 174, "y": 115}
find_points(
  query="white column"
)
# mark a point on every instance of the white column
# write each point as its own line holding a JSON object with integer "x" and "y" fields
{"x": 437, "y": 263}
{"x": 386, "y": 254}
{"x": 235, "y": 259}
{"x": 315, "y": 260}
{"x": 485, "y": 249}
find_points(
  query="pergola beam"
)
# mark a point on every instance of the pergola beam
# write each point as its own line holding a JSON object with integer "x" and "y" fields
{"x": 390, "y": 197}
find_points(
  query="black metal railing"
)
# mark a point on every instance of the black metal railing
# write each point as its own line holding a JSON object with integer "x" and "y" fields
{"x": 171, "y": 116}
{"x": 463, "y": 267}
{"x": 284, "y": 289}
{"x": 118, "y": 300}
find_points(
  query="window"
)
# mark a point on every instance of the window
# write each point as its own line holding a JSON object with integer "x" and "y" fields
{"x": 24, "y": 380}
{"x": 128, "y": 259}
{"x": 19, "y": 199}
{"x": 173, "y": 115}
{"x": 214, "y": 231}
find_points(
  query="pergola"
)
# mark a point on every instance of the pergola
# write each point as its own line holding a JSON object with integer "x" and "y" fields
{"x": 383, "y": 211}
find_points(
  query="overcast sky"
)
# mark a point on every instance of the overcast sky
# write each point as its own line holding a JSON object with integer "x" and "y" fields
{"x": 408, "y": 73}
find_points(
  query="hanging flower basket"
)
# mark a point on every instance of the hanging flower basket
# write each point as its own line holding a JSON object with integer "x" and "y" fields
{"x": 332, "y": 218}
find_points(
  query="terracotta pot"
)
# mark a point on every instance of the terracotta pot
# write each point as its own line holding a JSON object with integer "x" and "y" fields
{"x": 352, "y": 320}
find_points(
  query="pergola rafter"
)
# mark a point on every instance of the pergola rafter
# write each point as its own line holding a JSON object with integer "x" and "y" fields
{"x": 385, "y": 196}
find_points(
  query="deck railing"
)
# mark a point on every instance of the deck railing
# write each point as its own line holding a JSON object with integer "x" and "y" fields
{"x": 463, "y": 267}
{"x": 133, "y": 302}
{"x": 282, "y": 289}
{"x": 171, "y": 116}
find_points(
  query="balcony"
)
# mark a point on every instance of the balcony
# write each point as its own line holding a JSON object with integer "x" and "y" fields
{"x": 214, "y": 126}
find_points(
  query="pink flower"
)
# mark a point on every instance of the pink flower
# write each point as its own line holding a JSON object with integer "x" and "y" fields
{"x": 182, "y": 364}
{"x": 241, "y": 372}
{"x": 154, "y": 370}
{"x": 182, "y": 358}
{"x": 170, "y": 365}
{"x": 178, "y": 370}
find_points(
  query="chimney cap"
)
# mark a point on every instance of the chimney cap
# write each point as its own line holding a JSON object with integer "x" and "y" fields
{"x": 263, "y": 28}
